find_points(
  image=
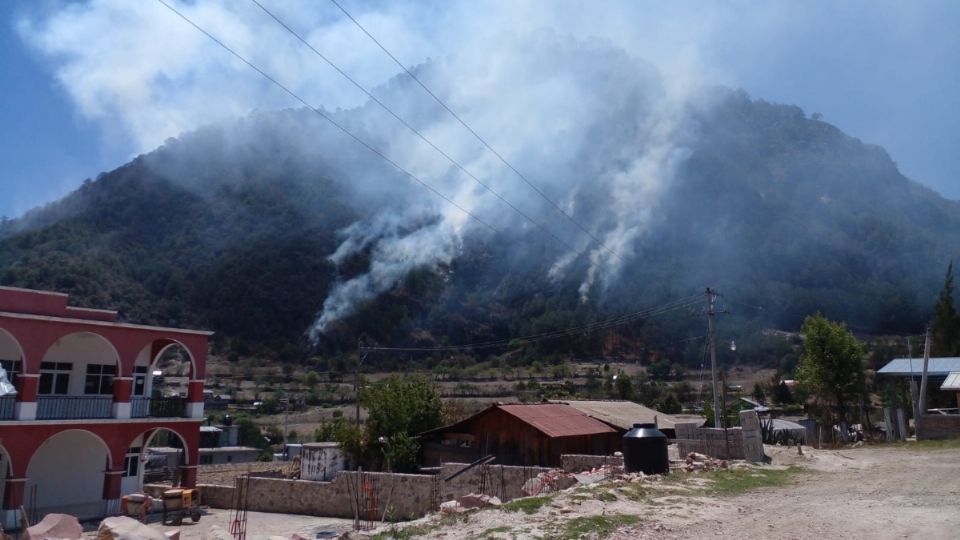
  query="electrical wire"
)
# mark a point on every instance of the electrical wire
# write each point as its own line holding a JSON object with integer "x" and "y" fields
{"x": 327, "y": 117}
{"x": 564, "y": 332}
{"x": 482, "y": 141}
{"x": 410, "y": 127}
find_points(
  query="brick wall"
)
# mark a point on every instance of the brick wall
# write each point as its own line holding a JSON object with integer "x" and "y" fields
{"x": 938, "y": 426}
{"x": 503, "y": 481}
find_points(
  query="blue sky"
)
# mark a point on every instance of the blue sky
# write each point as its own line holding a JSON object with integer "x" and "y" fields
{"x": 88, "y": 85}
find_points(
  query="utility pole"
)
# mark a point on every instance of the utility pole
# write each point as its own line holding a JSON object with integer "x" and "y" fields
{"x": 356, "y": 379}
{"x": 711, "y": 312}
{"x": 913, "y": 382}
{"x": 923, "y": 378}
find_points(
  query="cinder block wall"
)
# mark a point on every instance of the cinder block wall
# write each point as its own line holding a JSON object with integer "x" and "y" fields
{"x": 505, "y": 482}
{"x": 575, "y": 463}
{"x": 742, "y": 442}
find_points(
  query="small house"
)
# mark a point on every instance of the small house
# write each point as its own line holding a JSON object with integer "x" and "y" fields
{"x": 520, "y": 434}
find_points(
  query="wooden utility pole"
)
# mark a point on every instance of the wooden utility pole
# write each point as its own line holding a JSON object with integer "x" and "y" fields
{"x": 923, "y": 377}
{"x": 711, "y": 312}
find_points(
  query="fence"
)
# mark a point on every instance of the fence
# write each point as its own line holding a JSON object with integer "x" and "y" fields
{"x": 173, "y": 407}
{"x": 742, "y": 442}
{"x": 70, "y": 407}
{"x": 7, "y": 406}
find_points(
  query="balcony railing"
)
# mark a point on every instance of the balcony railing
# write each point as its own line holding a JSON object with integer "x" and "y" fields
{"x": 173, "y": 407}
{"x": 7, "y": 406}
{"x": 69, "y": 407}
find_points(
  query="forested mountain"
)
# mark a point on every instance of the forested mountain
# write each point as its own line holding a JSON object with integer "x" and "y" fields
{"x": 256, "y": 227}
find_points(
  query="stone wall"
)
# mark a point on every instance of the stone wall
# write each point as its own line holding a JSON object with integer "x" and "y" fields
{"x": 741, "y": 442}
{"x": 575, "y": 463}
{"x": 938, "y": 426}
{"x": 401, "y": 496}
{"x": 505, "y": 482}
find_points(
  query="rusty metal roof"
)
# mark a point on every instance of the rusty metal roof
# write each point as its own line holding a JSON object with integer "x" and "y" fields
{"x": 623, "y": 414}
{"x": 557, "y": 420}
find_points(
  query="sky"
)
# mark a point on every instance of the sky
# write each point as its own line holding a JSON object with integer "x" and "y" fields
{"x": 88, "y": 85}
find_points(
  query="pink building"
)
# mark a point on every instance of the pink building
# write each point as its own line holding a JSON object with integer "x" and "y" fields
{"x": 74, "y": 437}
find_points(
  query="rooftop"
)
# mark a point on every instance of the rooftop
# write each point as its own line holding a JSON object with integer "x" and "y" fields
{"x": 939, "y": 367}
{"x": 952, "y": 382}
{"x": 557, "y": 420}
{"x": 623, "y": 414}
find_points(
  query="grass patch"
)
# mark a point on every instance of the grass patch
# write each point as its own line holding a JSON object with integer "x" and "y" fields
{"x": 489, "y": 533}
{"x": 606, "y": 496}
{"x": 598, "y": 526}
{"x": 736, "y": 481}
{"x": 405, "y": 533}
{"x": 527, "y": 505}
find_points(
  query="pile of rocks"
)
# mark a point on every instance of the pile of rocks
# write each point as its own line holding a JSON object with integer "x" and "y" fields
{"x": 696, "y": 462}
{"x": 469, "y": 502}
{"x": 549, "y": 482}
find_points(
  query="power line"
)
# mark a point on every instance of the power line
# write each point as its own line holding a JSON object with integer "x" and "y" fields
{"x": 406, "y": 124}
{"x": 503, "y": 160}
{"x": 564, "y": 332}
{"x": 327, "y": 117}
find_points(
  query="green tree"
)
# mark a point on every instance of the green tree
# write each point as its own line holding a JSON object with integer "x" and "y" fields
{"x": 831, "y": 367}
{"x": 408, "y": 404}
{"x": 400, "y": 451}
{"x": 624, "y": 386}
{"x": 671, "y": 405}
{"x": 945, "y": 328}
{"x": 758, "y": 393}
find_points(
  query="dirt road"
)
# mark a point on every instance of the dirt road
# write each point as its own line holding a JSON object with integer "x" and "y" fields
{"x": 878, "y": 492}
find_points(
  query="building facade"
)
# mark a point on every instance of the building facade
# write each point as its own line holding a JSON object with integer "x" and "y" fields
{"x": 74, "y": 437}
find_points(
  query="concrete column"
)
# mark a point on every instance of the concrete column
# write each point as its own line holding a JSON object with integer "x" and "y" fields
{"x": 122, "y": 389}
{"x": 26, "y": 406}
{"x": 188, "y": 476}
{"x": 195, "y": 399}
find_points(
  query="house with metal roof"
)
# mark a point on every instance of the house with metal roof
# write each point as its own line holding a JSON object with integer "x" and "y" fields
{"x": 520, "y": 434}
{"x": 624, "y": 414}
{"x": 943, "y": 373}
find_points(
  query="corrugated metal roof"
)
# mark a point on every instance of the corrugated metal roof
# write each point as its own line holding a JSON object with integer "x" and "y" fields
{"x": 557, "y": 420}
{"x": 623, "y": 414}
{"x": 952, "y": 382}
{"x": 938, "y": 367}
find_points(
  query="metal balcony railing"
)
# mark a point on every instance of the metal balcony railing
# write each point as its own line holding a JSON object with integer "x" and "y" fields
{"x": 173, "y": 407}
{"x": 70, "y": 407}
{"x": 7, "y": 406}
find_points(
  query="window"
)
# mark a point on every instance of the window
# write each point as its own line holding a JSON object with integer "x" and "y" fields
{"x": 99, "y": 379}
{"x": 139, "y": 380}
{"x": 55, "y": 378}
{"x": 131, "y": 465}
{"x": 12, "y": 367}
{"x": 206, "y": 459}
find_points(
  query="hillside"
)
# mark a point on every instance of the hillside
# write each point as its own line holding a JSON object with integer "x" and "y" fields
{"x": 253, "y": 228}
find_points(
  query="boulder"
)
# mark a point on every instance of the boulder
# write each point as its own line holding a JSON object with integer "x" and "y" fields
{"x": 126, "y": 528}
{"x": 60, "y": 526}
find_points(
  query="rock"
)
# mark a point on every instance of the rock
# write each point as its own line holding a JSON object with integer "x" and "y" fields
{"x": 172, "y": 535}
{"x": 449, "y": 507}
{"x": 126, "y": 528}
{"x": 59, "y": 526}
{"x": 473, "y": 500}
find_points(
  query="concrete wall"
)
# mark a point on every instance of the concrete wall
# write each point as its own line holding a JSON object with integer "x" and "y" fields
{"x": 321, "y": 462}
{"x": 580, "y": 462}
{"x": 401, "y": 496}
{"x": 68, "y": 471}
{"x": 938, "y": 426}
{"x": 81, "y": 349}
{"x": 742, "y": 442}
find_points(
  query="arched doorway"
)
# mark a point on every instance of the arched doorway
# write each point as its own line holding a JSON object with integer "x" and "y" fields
{"x": 66, "y": 474}
{"x": 161, "y": 378}
{"x": 154, "y": 456}
{"x": 76, "y": 378}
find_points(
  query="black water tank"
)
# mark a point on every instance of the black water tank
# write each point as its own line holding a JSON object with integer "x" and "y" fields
{"x": 645, "y": 449}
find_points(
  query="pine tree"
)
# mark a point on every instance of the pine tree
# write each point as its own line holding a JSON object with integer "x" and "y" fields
{"x": 946, "y": 322}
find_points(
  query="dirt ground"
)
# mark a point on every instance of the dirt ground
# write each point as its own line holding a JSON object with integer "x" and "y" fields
{"x": 260, "y": 525}
{"x": 869, "y": 492}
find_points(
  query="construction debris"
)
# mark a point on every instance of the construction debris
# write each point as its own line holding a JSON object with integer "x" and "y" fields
{"x": 127, "y": 528}
{"x": 696, "y": 462}
{"x": 59, "y": 526}
{"x": 549, "y": 482}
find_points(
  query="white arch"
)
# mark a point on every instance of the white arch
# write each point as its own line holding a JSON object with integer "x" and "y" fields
{"x": 68, "y": 470}
{"x": 113, "y": 349}
{"x": 7, "y": 333}
{"x": 106, "y": 447}
{"x": 5, "y": 456}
